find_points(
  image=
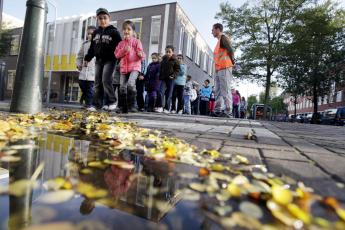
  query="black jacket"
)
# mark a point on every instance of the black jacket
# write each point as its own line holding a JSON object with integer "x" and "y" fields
{"x": 103, "y": 44}
{"x": 170, "y": 68}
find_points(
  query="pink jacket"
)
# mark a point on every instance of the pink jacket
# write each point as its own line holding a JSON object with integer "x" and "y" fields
{"x": 130, "y": 61}
{"x": 235, "y": 99}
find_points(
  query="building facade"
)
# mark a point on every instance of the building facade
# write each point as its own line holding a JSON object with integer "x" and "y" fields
{"x": 1, "y": 8}
{"x": 157, "y": 26}
{"x": 305, "y": 104}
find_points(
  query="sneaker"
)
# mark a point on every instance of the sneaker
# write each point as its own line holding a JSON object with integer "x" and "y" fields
{"x": 180, "y": 112}
{"x": 166, "y": 111}
{"x": 132, "y": 110}
{"x": 216, "y": 114}
{"x": 159, "y": 110}
{"x": 173, "y": 111}
{"x": 91, "y": 109}
{"x": 142, "y": 110}
{"x": 112, "y": 107}
{"x": 105, "y": 107}
{"x": 226, "y": 115}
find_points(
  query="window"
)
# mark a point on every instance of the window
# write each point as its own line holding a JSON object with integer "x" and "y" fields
{"x": 210, "y": 66}
{"x": 10, "y": 79}
{"x": 189, "y": 47}
{"x": 155, "y": 30}
{"x": 181, "y": 41}
{"x": 205, "y": 63}
{"x": 15, "y": 44}
{"x": 138, "y": 26}
{"x": 113, "y": 23}
{"x": 339, "y": 96}
{"x": 83, "y": 32}
{"x": 74, "y": 40}
{"x": 197, "y": 55}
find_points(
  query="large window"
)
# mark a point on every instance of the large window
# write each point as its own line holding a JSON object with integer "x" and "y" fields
{"x": 113, "y": 23}
{"x": 205, "y": 62}
{"x": 189, "y": 52}
{"x": 15, "y": 44}
{"x": 138, "y": 22}
{"x": 181, "y": 41}
{"x": 197, "y": 55}
{"x": 155, "y": 30}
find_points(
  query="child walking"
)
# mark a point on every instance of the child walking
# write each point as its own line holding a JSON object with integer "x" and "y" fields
{"x": 205, "y": 94}
{"x": 153, "y": 83}
{"x": 130, "y": 51}
{"x": 170, "y": 68}
{"x": 86, "y": 74}
{"x": 103, "y": 43}
{"x": 187, "y": 95}
{"x": 180, "y": 82}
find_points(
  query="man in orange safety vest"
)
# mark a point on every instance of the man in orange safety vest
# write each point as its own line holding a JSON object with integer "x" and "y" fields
{"x": 224, "y": 62}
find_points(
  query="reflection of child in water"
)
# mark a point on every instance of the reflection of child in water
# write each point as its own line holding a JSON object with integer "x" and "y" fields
{"x": 118, "y": 179}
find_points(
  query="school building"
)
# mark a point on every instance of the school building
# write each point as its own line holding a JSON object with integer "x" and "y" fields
{"x": 157, "y": 26}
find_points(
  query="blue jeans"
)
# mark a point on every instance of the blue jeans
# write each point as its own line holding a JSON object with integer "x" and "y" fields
{"x": 167, "y": 89}
{"x": 87, "y": 91}
{"x": 187, "y": 104}
{"x": 104, "y": 84}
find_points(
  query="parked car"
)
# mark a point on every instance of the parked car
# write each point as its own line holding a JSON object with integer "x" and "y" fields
{"x": 340, "y": 117}
{"x": 316, "y": 118}
{"x": 329, "y": 117}
{"x": 292, "y": 118}
{"x": 307, "y": 118}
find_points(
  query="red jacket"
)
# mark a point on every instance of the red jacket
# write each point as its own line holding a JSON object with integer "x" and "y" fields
{"x": 130, "y": 61}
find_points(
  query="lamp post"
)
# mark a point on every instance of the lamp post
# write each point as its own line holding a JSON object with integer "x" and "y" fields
{"x": 53, "y": 3}
{"x": 27, "y": 92}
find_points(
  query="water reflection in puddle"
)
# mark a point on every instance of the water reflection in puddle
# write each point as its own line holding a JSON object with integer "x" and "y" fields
{"x": 95, "y": 189}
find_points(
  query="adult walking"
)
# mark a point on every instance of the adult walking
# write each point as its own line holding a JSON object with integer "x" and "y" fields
{"x": 224, "y": 61}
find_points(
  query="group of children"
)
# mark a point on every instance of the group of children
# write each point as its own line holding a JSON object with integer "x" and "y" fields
{"x": 117, "y": 65}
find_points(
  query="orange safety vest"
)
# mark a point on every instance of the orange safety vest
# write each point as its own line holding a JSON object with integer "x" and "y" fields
{"x": 222, "y": 58}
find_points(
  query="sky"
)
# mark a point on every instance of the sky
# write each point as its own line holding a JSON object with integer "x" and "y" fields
{"x": 200, "y": 12}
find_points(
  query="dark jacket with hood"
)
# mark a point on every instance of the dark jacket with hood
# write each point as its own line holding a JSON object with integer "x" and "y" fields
{"x": 103, "y": 44}
{"x": 170, "y": 68}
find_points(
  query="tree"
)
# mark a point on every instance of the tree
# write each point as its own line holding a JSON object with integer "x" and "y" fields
{"x": 316, "y": 50}
{"x": 5, "y": 41}
{"x": 260, "y": 30}
{"x": 251, "y": 101}
{"x": 278, "y": 106}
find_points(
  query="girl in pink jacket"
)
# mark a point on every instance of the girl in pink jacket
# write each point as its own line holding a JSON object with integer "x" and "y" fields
{"x": 131, "y": 53}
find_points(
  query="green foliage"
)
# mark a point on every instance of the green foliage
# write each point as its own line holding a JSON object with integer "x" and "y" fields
{"x": 278, "y": 106}
{"x": 251, "y": 101}
{"x": 5, "y": 42}
{"x": 315, "y": 54}
{"x": 260, "y": 30}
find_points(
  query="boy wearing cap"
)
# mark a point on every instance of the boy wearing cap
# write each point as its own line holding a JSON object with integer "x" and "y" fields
{"x": 103, "y": 44}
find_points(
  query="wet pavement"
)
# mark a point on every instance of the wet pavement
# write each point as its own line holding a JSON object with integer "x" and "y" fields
{"x": 84, "y": 184}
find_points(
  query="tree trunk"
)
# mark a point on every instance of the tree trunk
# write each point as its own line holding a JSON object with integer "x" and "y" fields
{"x": 316, "y": 119}
{"x": 267, "y": 94}
{"x": 295, "y": 103}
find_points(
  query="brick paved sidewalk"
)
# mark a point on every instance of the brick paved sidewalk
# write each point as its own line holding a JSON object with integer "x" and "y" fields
{"x": 313, "y": 154}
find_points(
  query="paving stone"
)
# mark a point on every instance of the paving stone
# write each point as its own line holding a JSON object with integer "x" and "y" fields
{"x": 305, "y": 146}
{"x": 214, "y": 144}
{"x": 252, "y": 154}
{"x": 240, "y": 132}
{"x": 284, "y": 155}
{"x": 332, "y": 163}
{"x": 308, "y": 173}
{"x": 222, "y": 129}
